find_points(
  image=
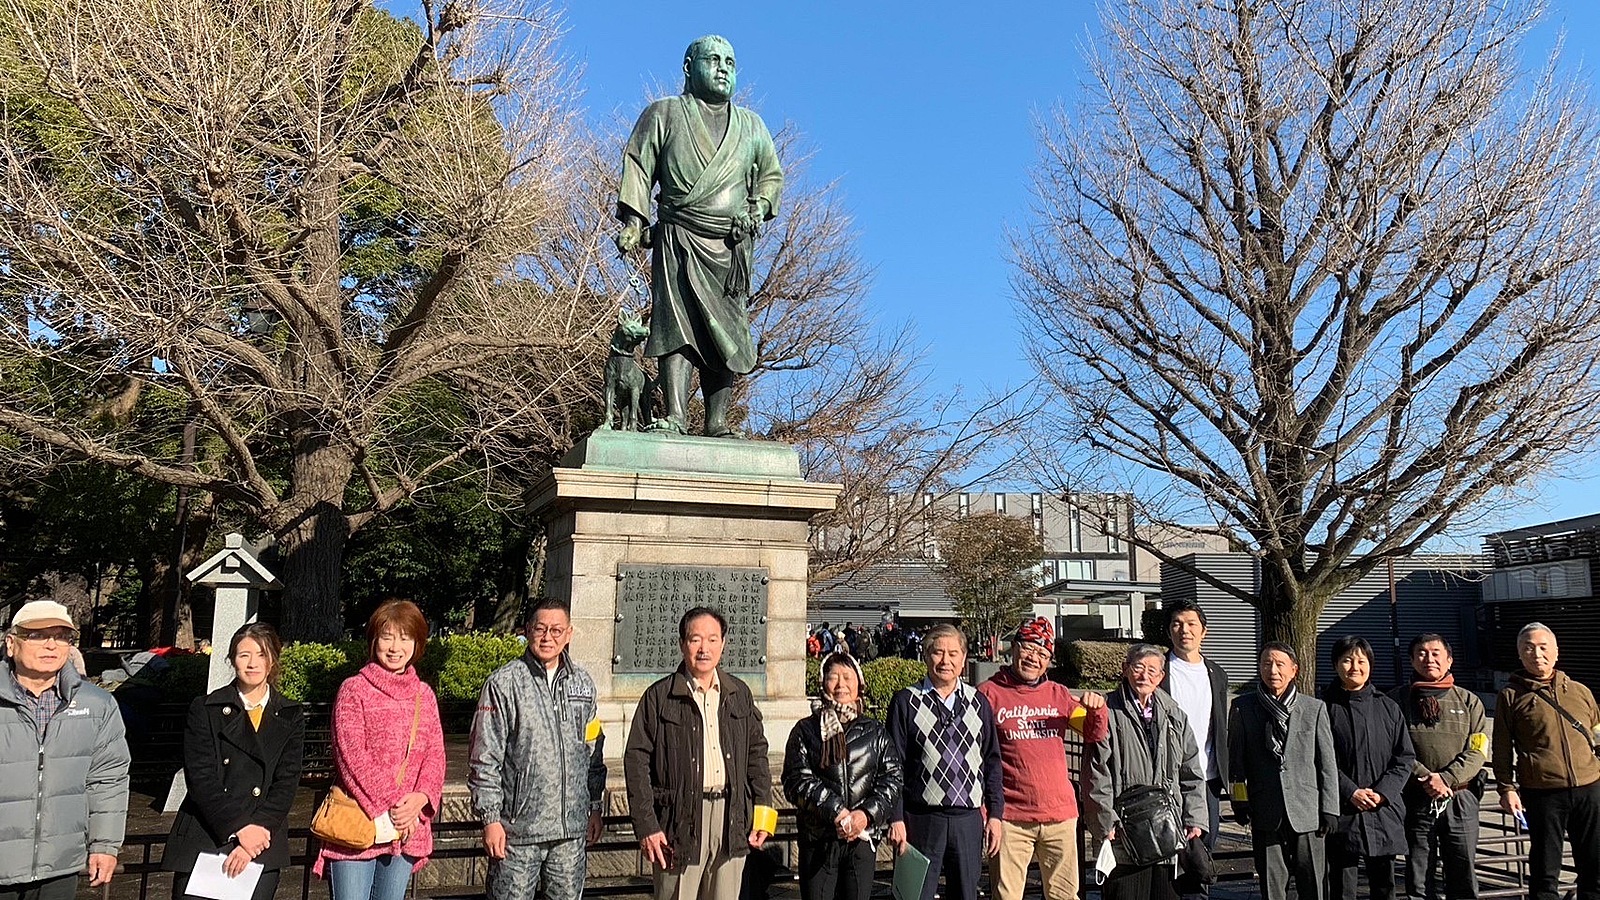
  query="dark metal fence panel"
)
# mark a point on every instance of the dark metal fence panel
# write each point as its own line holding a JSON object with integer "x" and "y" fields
{"x": 1431, "y": 591}
{"x": 1575, "y": 622}
{"x": 1233, "y": 627}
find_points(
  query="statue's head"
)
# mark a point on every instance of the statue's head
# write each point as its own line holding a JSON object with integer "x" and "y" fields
{"x": 708, "y": 69}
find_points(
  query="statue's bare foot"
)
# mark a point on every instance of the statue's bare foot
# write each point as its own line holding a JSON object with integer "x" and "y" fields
{"x": 669, "y": 425}
{"x": 726, "y": 432}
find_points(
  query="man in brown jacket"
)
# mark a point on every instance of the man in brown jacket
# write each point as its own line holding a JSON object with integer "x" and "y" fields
{"x": 1544, "y": 760}
{"x": 700, "y": 796}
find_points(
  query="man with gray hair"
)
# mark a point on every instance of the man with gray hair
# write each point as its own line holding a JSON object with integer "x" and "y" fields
{"x": 63, "y": 763}
{"x": 1285, "y": 778}
{"x": 945, "y": 733}
{"x": 1545, "y": 728}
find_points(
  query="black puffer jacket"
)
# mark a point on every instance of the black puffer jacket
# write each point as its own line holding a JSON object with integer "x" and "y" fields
{"x": 869, "y": 779}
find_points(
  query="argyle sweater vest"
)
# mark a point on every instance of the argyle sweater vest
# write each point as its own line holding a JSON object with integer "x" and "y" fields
{"x": 948, "y": 771}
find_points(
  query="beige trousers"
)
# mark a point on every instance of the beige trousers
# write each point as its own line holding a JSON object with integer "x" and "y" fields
{"x": 1056, "y": 846}
{"x": 716, "y": 876}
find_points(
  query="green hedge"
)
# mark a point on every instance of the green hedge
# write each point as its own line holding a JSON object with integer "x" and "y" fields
{"x": 456, "y": 665}
{"x": 887, "y": 675}
{"x": 185, "y": 676}
{"x": 1095, "y": 663}
{"x": 884, "y": 675}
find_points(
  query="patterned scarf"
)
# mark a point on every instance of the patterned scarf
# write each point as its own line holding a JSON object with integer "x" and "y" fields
{"x": 1425, "y": 697}
{"x": 835, "y": 718}
{"x": 1278, "y": 717}
{"x": 1147, "y": 718}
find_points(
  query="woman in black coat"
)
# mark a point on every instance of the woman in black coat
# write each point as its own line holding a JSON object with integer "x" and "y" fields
{"x": 1373, "y": 748}
{"x": 242, "y": 753}
{"x": 844, "y": 777}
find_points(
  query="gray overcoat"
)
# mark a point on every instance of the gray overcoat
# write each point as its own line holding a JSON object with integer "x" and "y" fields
{"x": 1293, "y": 797}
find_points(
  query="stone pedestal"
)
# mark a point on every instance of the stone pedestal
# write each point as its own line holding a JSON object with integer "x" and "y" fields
{"x": 626, "y": 498}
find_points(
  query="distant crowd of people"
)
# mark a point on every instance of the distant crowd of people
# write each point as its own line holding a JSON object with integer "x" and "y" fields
{"x": 1329, "y": 787}
{"x": 886, "y": 639}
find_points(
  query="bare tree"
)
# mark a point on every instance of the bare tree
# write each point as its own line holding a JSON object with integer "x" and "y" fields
{"x": 987, "y": 565}
{"x": 1326, "y": 266}
{"x": 314, "y": 221}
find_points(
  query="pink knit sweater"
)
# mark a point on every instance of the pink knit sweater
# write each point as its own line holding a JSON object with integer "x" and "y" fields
{"x": 371, "y": 722}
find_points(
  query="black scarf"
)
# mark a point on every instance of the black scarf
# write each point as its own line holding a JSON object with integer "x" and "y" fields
{"x": 1277, "y": 717}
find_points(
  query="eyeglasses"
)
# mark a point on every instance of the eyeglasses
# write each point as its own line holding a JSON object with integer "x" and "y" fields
{"x": 555, "y": 631}
{"x": 39, "y": 636}
{"x": 1142, "y": 669}
{"x": 1033, "y": 651}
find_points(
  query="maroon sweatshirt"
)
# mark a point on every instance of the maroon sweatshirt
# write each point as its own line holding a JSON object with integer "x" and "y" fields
{"x": 1032, "y": 720}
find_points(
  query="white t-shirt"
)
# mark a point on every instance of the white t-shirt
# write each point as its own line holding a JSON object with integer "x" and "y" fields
{"x": 1191, "y": 687}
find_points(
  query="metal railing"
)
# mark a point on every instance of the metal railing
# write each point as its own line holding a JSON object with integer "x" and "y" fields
{"x": 304, "y": 856}
{"x": 1503, "y": 869}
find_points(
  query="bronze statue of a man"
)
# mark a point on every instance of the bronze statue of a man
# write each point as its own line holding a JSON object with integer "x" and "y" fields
{"x": 719, "y": 180}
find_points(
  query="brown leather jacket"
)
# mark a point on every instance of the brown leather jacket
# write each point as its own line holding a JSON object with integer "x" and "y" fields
{"x": 1550, "y": 752}
{"x": 663, "y": 768}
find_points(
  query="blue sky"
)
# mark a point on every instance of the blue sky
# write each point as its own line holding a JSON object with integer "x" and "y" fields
{"x": 925, "y": 114}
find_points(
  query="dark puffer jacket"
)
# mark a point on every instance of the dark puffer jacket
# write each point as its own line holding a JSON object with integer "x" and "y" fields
{"x": 869, "y": 779}
{"x": 1373, "y": 747}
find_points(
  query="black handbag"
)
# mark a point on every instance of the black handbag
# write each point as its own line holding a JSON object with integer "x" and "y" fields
{"x": 1147, "y": 825}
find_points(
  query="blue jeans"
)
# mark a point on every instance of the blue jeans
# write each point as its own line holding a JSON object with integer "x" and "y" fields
{"x": 383, "y": 878}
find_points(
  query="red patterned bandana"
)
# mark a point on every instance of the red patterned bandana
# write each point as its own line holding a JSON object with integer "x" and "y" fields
{"x": 1038, "y": 631}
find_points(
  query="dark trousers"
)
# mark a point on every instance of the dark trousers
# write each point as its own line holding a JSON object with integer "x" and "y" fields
{"x": 1139, "y": 883}
{"x": 1344, "y": 865}
{"x": 265, "y": 888}
{"x": 1286, "y": 856}
{"x": 952, "y": 840}
{"x": 62, "y": 887}
{"x": 1448, "y": 842}
{"x": 836, "y": 870}
{"x": 1558, "y": 814}
{"x": 1187, "y": 884}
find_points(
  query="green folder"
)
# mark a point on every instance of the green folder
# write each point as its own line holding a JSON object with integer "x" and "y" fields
{"x": 910, "y": 873}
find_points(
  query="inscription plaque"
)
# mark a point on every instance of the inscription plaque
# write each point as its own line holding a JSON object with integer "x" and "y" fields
{"x": 650, "y": 600}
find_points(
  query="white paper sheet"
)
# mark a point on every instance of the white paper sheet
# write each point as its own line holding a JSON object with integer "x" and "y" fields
{"x": 384, "y": 826}
{"x": 208, "y": 879}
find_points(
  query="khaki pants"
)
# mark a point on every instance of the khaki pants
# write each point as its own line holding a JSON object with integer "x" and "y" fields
{"x": 716, "y": 876}
{"x": 1056, "y": 846}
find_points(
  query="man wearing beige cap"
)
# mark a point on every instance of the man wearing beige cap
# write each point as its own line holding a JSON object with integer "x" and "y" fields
{"x": 63, "y": 763}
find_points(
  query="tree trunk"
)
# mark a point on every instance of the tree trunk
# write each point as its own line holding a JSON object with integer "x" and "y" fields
{"x": 311, "y": 545}
{"x": 1289, "y": 614}
{"x": 511, "y": 580}
{"x": 173, "y": 616}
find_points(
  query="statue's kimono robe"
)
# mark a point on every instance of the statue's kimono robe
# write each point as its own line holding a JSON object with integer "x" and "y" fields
{"x": 701, "y": 279}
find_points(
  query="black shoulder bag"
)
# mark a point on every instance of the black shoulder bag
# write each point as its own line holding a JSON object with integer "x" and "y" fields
{"x": 1147, "y": 822}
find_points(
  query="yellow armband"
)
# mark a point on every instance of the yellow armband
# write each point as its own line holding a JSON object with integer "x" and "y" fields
{"x": 593, "y": 730}
{"x": 765, "y": 818}
{"x": 1478, "y": 743}
{"x": 1241, "y": 793}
